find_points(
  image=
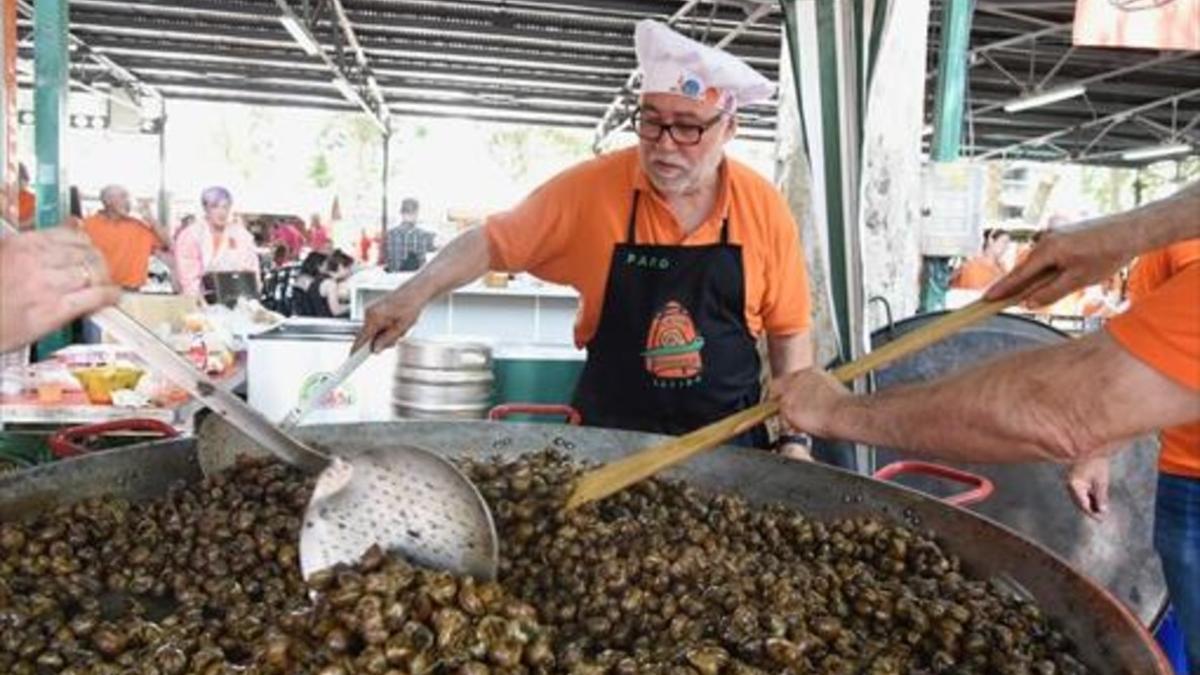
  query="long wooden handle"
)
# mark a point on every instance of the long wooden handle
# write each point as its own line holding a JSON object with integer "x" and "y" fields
{"x": 616, "y": 476}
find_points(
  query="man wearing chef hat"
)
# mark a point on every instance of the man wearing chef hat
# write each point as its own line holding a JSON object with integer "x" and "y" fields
{"x": 683, "y": 257}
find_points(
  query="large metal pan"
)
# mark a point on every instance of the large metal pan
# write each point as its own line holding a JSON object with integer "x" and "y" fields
{"x": 1110, "y": 639}
{"x": 1117, "y": 552}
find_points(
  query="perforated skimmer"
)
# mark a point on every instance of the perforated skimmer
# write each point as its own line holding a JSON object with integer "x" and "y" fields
{"x": 404, "y": 499}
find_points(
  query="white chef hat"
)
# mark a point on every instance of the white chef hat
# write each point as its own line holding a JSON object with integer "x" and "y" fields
{"x": 674, "y": 64}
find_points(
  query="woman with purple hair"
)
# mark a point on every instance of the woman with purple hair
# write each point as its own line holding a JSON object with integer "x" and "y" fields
{"x": 218, "y": 242}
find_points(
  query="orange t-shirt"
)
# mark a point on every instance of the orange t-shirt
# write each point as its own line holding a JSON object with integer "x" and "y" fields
{"x": 1153, "y": 269}
{"x": 26, "y": 205}
{"x": 1162, "y": 329}
{"x": 565, "y": 231}
{"x": 126, "y": 245}
{"x": 977, "y": 274}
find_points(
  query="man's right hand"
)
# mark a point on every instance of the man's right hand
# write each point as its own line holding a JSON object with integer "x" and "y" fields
{"x": 388, "y": 319}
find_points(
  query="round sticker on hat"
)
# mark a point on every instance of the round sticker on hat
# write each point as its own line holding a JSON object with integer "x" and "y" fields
{"x": 690, "y": 86}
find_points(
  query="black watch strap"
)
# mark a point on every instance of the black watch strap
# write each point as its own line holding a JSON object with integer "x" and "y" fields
{"x": 788, "y": 439}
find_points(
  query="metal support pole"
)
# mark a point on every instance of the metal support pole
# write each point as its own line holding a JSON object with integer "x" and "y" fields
{"x": 383, "y": 206}
{"x": 164, "y": 209}
{"x": 50, "y": 25}
{"x": 952, "y": 80}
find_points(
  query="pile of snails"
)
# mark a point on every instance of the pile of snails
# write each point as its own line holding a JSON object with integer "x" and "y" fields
{"x": 660, "y": 578}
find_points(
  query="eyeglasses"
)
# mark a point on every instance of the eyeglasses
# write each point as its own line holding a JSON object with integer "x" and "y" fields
{"x": 682, "y": 134}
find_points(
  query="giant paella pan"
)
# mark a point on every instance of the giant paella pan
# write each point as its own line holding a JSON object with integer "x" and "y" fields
{"x": 743, "y": 533}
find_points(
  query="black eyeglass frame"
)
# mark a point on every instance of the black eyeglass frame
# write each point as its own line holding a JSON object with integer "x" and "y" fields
{"x": 636, "y": 121}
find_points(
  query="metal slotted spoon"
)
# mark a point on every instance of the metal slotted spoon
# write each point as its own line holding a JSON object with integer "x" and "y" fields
{"x": 405, "y": 499}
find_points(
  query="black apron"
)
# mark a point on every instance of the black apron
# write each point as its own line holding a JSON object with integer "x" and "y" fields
{"x": 672, "y": 351}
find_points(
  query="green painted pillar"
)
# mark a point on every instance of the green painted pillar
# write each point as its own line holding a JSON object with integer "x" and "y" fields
{"x": 952, "y": 80}
{"x": 51, "y": 60}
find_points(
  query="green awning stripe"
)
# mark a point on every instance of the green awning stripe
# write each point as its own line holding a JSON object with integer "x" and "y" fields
{"x": 832, "y": 111}
{"x": 879, "y": 23}
{"x": 950, "y": 100}
{"x": 789, "y": 24}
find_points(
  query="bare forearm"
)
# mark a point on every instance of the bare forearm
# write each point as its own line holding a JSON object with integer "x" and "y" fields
{"x": 1160, "y": 223}
{"x": 967, "y": 418}
{"x": 789, "y": 353}
{"x": 462, "y": 261}
{"x": 1064, "y": 403}
{"x": 160, "y": 230}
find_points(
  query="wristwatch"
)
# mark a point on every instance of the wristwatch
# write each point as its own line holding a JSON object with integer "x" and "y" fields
{"x": 789, "y": 439}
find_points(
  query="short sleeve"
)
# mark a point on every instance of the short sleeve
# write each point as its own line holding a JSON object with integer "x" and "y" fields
{"x": 149, "y": 239}
{"x": 1163, "y": 329}
{"x": 786, "y": 303}
{"x": 536, "y": 230}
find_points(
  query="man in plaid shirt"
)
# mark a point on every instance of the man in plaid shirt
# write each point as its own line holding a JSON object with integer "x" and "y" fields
{"x": 407, "y": 244}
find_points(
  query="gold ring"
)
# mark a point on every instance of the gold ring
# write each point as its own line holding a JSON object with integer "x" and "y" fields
{"x": 87, "y": 274}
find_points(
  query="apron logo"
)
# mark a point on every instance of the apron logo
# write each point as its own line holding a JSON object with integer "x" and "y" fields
{"x": 673, "y": 347}
{"x": 652, "y": 262}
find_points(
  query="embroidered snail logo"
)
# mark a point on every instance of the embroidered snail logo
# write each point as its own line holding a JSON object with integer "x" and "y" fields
{"x": 673, "y": 346}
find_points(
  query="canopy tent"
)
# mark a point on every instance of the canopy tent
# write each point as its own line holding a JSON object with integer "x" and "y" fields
{"x": 571, "y": 64}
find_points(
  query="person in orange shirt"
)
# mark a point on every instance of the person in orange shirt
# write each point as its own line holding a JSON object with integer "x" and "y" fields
{"x": 26, "y": 201}
{"x": 682, "y": 256}
{"x": 1045, "y": 405}
{"x": 126, "y": 242}
{"x": 1154, "y": 268}
{"x": 983, "y": 270}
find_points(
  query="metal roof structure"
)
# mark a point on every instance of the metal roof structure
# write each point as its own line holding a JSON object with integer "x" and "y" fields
{"x": 568, "y": 63}
{"x": 1132, "y": 98}
{"x": 535, "y": 61}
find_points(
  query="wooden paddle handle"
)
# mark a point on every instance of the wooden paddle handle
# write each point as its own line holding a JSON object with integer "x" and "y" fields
{"x": 899, "y": 348}
{"x": 917, "y": 340}
{"x": 618, "y": 475}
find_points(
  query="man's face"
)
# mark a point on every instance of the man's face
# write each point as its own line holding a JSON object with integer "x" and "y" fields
{"x": 408, "y": 217}
{"x": 675, "y": 168}
{"x": 116, "y": 200}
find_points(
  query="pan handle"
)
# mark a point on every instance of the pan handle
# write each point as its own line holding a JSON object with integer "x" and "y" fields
{"x": 505, "y": 409}
{"x": 981, "y": 488}
{"x": 67, "y": 442}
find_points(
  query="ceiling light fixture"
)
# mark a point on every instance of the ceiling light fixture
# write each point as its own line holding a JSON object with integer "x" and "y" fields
{"x": 300, "y": 34}
{"x": 1044, "y": 98}
{"x": 1156, "y": 151}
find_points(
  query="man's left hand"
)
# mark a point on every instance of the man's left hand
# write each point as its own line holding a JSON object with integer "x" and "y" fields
{"x": 809, "y": 399}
